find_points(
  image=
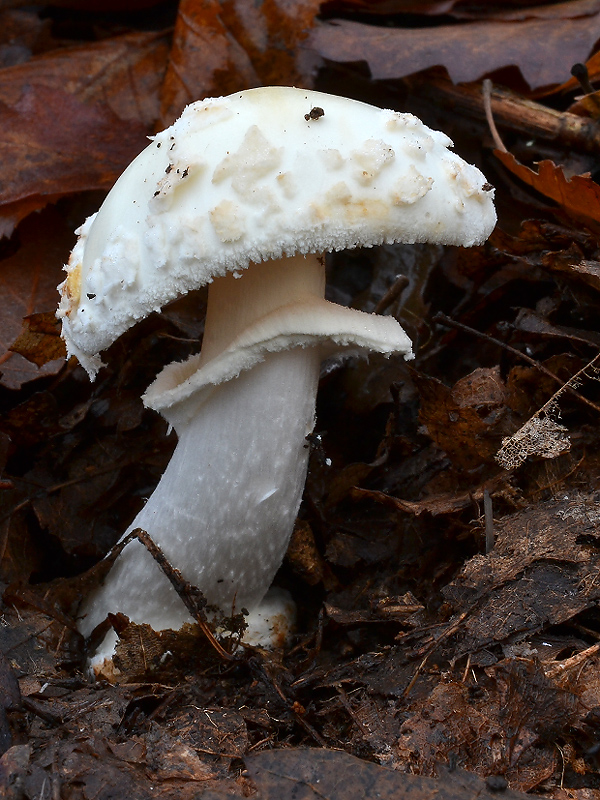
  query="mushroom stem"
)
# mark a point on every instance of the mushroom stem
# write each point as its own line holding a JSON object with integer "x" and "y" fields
{"x": 236, "y": 303}
{"x": 225, "y": 507}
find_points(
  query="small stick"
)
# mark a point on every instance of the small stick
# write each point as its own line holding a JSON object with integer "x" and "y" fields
{"x": 392, "y": 294}
{"x": 513, "y": 113}
{"x": 451, "y": 323}
{"x": 580, "y": 72}
{"x": 487, "y": 104}
{"x": 489, "y": 521}
{"x": 191, "y": 597}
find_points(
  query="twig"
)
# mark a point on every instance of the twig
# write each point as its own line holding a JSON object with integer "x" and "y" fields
{"x": 487, "y": 104}
{"x": 565, "y": 387}
{"x": 559, "y": 668}
{"x": 512, "y": 112}
{"x": 392, "y": 294}
{"x": 580, "y": 72}
{"x": 190, "y": 596}
{"x": 489, "y": 521}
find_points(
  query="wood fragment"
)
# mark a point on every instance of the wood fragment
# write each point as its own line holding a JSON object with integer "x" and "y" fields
{"x": 512, "y": 112}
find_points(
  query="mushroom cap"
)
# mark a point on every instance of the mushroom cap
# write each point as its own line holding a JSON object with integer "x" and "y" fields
{"x": 261, "y": 174}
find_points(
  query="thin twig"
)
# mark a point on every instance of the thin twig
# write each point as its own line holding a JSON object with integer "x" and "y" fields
{"x": 554, "y": 670}
{"x": 565, "y": 387}
{"x": 489, "y": 521}
{"x": 450, "y": 630}
{"x": 487, "y": 104}
{"x": 190, "y": 596}
{"x": 392, "y": 294}
{"x": 580, "y": 72}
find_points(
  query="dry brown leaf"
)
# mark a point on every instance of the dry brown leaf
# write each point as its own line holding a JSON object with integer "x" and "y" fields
{"x": 469, "y": 420}
{"x": 40, "y": 340}
{"x": 220, "y": 48}
{"x": 206, "y": 60}
{"x": 304, "y": 774}
{"x": 543, "y": 50}
{"x": 28, "y": 281}
{"x": 383, "y": 7}
{"x": 72, "y": 121}
{"x": 579, "y": 195}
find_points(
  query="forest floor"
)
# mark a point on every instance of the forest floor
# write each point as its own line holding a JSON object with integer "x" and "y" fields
{"x": 445, "y": 561}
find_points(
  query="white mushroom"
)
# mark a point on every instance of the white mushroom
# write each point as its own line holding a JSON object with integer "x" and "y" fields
{"x": 246, "y": 193}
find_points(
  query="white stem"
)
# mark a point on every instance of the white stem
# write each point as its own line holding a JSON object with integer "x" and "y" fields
{"x": 236, "y": 303}
{"x": 225, "y": 507}
{"x": 226, "y": 504}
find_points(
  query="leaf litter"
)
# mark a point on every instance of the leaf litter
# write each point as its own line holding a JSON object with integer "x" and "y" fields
{"x": 449, "y": 635}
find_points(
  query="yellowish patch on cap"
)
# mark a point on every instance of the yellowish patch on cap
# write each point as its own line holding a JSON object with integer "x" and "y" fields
{"x": 72, "y": 285}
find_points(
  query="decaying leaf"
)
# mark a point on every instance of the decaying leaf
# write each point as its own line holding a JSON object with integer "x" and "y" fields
{"x": 40, "y": 340}
{"x": 219, "y": 48}
{"x": 317, "y": 774}
{"x": 28, "y": 281}
{"x": 468, "y": 52}
{"x": 542, "y": 435}
{"x": 73, "y": 120}
{"x": 540, "y": 572}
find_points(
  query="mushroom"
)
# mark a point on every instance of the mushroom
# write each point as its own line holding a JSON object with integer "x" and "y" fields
{"x": 246, "y": 193}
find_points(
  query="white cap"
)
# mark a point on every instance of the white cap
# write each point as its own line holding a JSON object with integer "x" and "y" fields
{"x": 255, "y": 176}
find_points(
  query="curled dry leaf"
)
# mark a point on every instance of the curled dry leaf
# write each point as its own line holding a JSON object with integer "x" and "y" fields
{"x": 579, "y": 195}
{"x": 466, "y": 421}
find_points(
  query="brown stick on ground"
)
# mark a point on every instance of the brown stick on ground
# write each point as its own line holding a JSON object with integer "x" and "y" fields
{"x": 513, "y": 112}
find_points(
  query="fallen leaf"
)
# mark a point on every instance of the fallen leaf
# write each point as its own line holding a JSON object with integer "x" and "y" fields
{"x": 469, "y": 420}
{"x": 28, "y": 281}
{"x": 44, "y": 160}
{"x": 220, "y": 48}
{"x": 464, "y": 720}
{"x": 40, "y": 340}
{"x": 205, "y": 61}
{"x": 579, "y": 195}
{"x": 538, "y": 574}
{"x": 72, "y": 120}
{"x": 467, "y": 51}
{"x": 304, "y": 774}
